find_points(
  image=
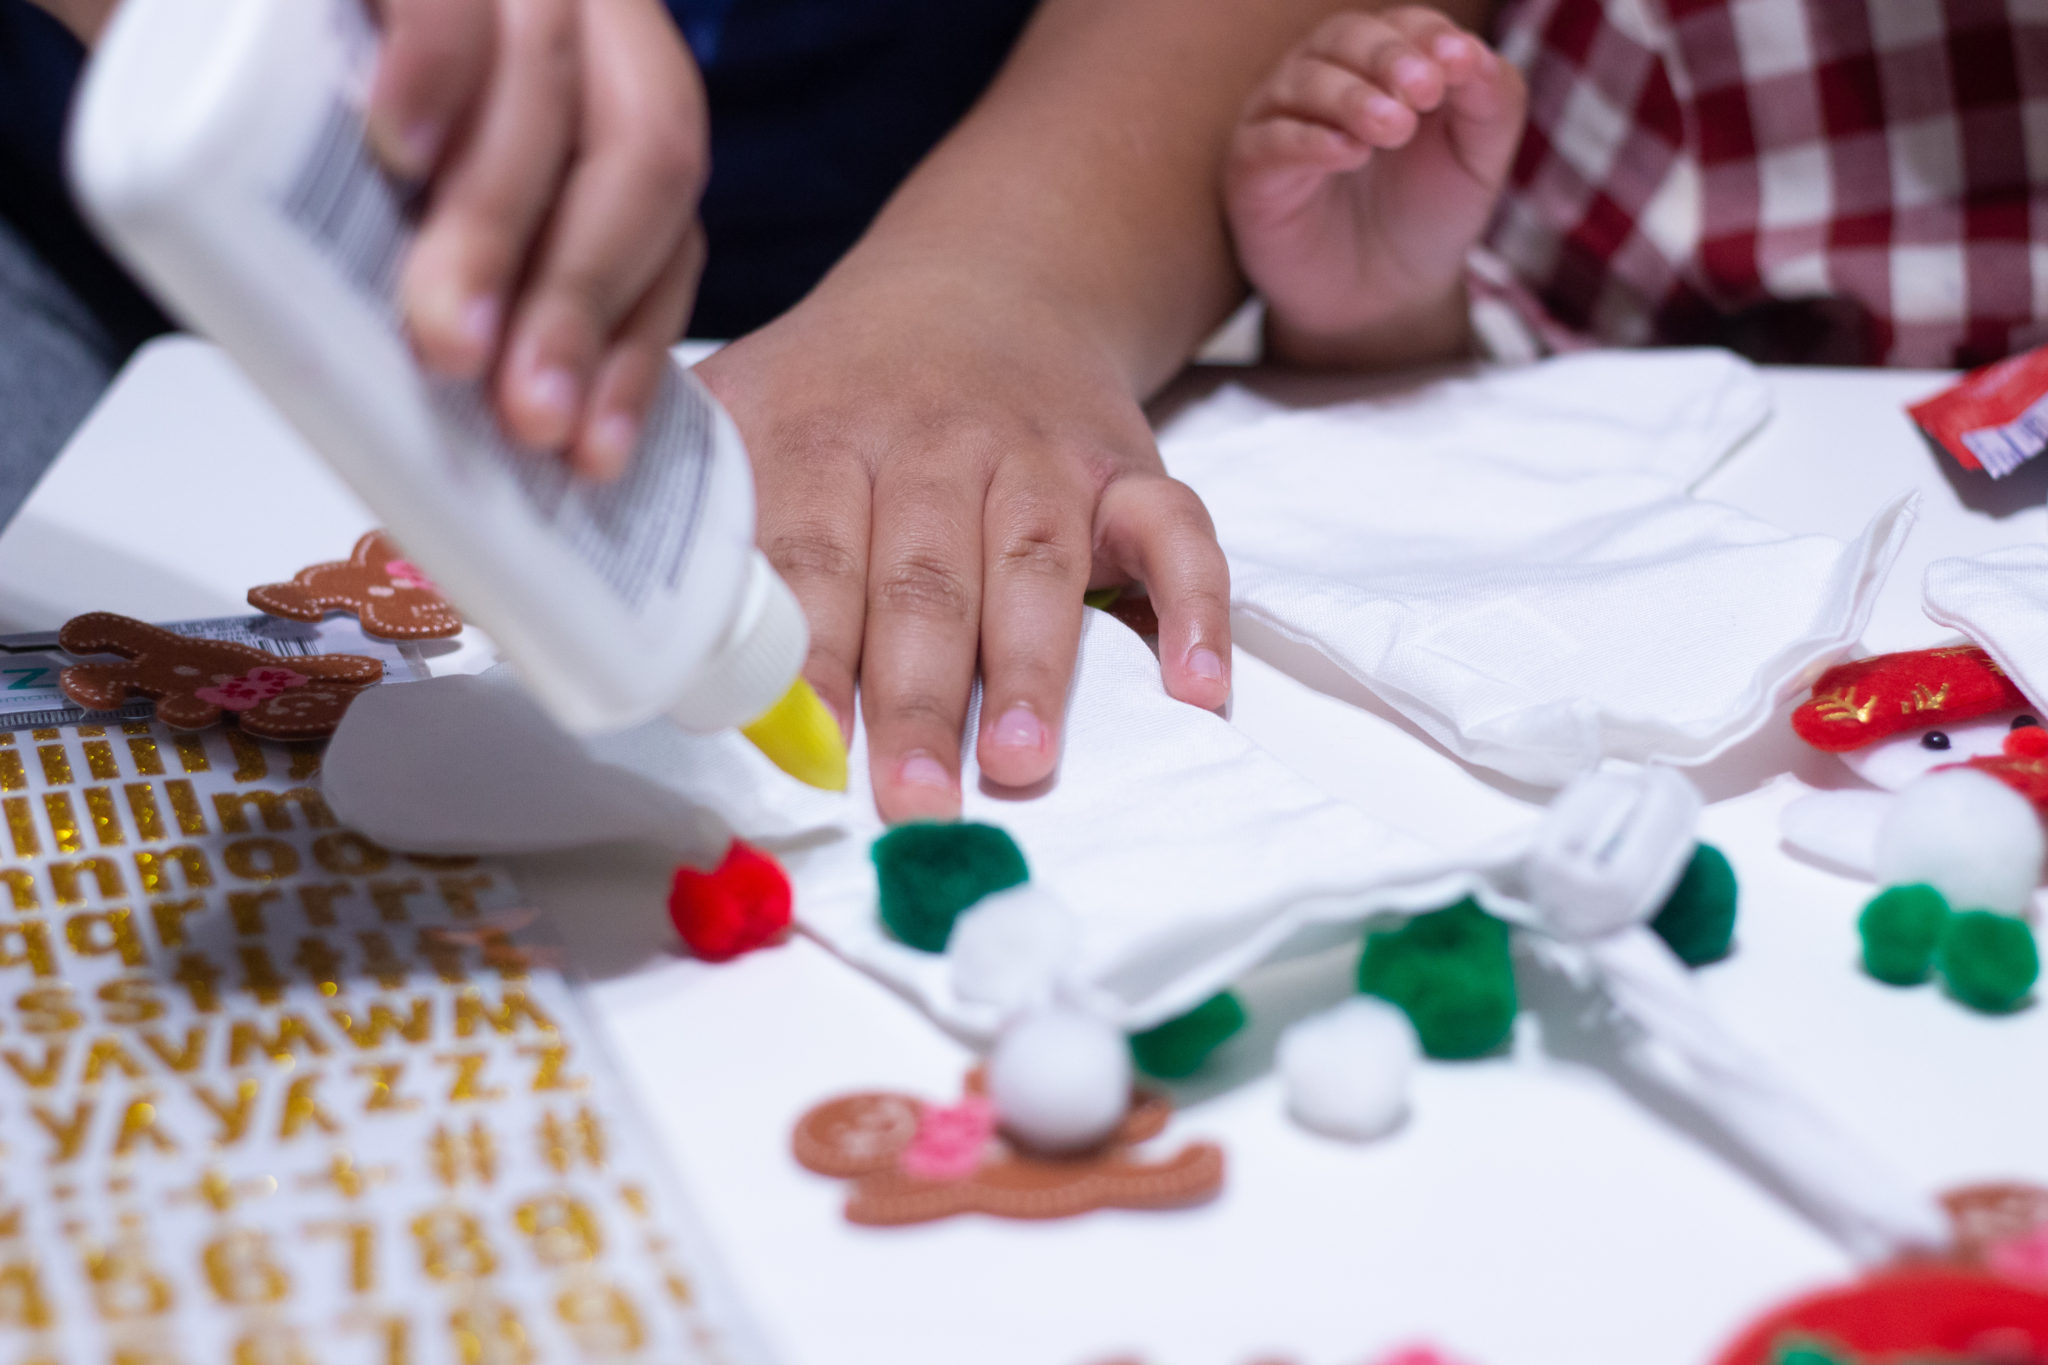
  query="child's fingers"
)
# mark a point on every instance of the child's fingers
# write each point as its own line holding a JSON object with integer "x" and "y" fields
{"x": 1314, "y": 90}
{"x": 1458, "y": 55}
{"x": 1371, "y": 47}
{"x": 1035, "y": 539}
{"x": 1282, "y": 140}
{"x": 1484, "y": 94}
{"x": 1277, "y": 164}
{"x": 1154, "y": 530}
{"x": 1429, "y": 32}
{"x": 631, "y": 372}
{"x": 1485, "y": 118}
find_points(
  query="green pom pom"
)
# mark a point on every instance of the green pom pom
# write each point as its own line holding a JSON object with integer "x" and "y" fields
{"x": 1988, "y": 960}
{"x": 1807, "y": 1351}
{"x": 1900, "y": 929}
{"x": 930, "y": 873}
{"x": 1451, "y": 972}
{"x": 1698, "y": 920}
{"x": 1178, "y": 1047}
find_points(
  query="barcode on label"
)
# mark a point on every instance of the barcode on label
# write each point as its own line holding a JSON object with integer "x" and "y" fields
{"x": 2005, "y": 448}
{"x": 68, "y": 714}
{"x": 635, "y": 532}
{"x": 351, "y": 209}
{"x": 284, "y": 638}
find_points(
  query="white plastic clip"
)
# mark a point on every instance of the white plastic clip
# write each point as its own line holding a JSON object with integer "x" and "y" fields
{"x": 1611, "y": 848}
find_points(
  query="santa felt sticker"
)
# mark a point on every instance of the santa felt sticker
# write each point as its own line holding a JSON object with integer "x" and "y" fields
{"x": 1952, "y": 832}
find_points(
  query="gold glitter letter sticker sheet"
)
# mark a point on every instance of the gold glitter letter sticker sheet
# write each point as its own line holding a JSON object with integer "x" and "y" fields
{"x": 273, "y": 1095}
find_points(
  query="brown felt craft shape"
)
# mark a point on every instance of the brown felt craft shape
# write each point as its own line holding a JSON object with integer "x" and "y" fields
{"x": 862, "y": 1138}
{"x": 1985, "y": 1215}
{"x": 196, "y": 683}
{"x": 376, "y": 584}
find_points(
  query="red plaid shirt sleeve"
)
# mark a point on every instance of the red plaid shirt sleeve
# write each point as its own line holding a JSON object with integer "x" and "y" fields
{"x": 1839, "y": 180}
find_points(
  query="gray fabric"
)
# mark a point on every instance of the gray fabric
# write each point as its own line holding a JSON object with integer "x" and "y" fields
{"x": 55, "y": 361}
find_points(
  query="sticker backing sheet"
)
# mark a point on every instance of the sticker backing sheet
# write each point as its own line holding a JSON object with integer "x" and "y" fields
{"x": 271, "y": 1094}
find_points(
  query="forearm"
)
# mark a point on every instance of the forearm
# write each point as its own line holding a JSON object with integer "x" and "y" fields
{"x": 1088, "y": 176}
{"x": 83, "y": 17}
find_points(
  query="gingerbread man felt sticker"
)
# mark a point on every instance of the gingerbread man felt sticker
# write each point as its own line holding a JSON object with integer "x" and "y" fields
{"x": 376, "y": 584}
{"x": 2003, "y": 1228}
{"x": 914, "y": 1162}
{"x": 195, "y": 683}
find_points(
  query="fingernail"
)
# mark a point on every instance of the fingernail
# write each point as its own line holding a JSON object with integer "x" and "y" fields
{"x": 1448, "y": 47}
{"x": 1410, "y": 71}
{"x": 614, "y": 440}
{"x": 1385, "y": 108}
{"x": 922, "y": 770}
{"x": 551, "y": 393}
{"x": 1019, "y": 729}
{"x": 1203, "y": 662}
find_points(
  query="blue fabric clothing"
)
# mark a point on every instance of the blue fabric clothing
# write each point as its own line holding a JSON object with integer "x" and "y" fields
{"x": 819, "y": 108}
{"x": 39, "y": 64}
{"x": 54, "y": 362}
{"x": 702, "y": 23}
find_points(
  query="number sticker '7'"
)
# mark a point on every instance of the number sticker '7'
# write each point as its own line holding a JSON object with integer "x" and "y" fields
{"x": 25, "y": 679}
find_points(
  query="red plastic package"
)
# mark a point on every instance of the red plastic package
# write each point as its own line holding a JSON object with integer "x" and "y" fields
{"x": 1994, "y": 419}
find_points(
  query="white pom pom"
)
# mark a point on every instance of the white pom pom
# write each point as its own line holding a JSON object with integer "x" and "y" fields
{"x": 1966, "y": 834}
{"x": 1347, "y": 1070}
{"x": 1010, "y": 950}
{"x": 1060, "y": 1080}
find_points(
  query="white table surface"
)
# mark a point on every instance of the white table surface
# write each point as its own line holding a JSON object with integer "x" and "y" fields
{"x": 1531, "y": 1213}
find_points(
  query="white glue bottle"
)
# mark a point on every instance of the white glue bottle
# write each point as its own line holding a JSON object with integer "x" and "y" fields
{"x": 219, "y": 146}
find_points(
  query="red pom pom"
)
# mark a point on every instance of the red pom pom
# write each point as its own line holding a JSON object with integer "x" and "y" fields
{"x": 2023, "y": 766}
{"x": 2029, "y": 741}
{"x": 742, "y": 906}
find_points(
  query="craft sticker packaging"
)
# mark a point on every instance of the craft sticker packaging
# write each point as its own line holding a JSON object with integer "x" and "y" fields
{"x": 1993, "y": 419}
{"x": 271, "y": 1094}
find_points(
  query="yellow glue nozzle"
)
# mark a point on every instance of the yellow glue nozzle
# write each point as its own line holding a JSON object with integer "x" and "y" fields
{"x": 800, "y": 737}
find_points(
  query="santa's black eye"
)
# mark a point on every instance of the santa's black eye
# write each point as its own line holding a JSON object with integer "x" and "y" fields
{"x": 2023, "y": 722}
{"x": 1934, "y": 739}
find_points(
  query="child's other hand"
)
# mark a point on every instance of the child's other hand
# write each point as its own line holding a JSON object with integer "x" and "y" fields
{"x": 562, "y": 145}
{"x": 1359, "y": 175}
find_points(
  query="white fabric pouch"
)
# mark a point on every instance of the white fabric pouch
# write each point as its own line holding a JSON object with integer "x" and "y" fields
{"x": 1514, "y": 561}
{"x": 2000, "y": 601}
{"x": 1187, "y": 853}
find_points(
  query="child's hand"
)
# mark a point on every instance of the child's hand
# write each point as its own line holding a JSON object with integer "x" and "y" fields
{"x": 1360, "y": 173}
{"x": 563, "y": 145}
